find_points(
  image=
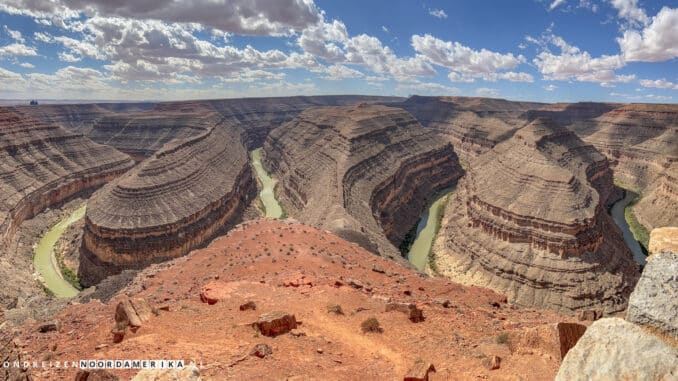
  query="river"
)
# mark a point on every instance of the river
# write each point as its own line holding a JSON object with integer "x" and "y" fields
{"x": 619, "y": 218}
{"x": 45, "y": 262}
{"x": 426, "y": 231}
{"x": 267, "y": 195}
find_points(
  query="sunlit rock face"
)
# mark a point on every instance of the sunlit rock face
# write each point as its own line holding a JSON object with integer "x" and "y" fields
{"x": 530, "y": 220}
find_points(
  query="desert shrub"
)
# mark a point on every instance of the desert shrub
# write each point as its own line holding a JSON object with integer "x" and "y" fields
{"x": 371, "y": 325}
{"x": 335, "y": 309}
{"x": 502, "y": 338}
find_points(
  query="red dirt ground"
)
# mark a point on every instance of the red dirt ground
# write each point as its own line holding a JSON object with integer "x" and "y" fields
{"x": 291, "y": 267}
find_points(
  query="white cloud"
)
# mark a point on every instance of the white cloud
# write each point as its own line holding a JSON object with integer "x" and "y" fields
{"x": 67, "y": 57}
{"x": 248, "y": 76}
{"x": 656, "y": 42}
{"x": 427, "y": 88}
{"x": 263, "y": 17}
{"x": 27, "y": 65}
{"x": 574, "y": 64}
{"x": 550, "y": 87}
{"x": 339, "y": 72}
{"x": 385, "y": 29}
{"x": 15, "y": 35}
{"x": 659, "y": 84}
{"x": 43, "y": 37}
{"x": 487, "y": 92}
{"x": 629, "y": 10}
{"x": 555, "y": 4}
{"x": 439, "y": 13}
{"x": 17, "y": 50}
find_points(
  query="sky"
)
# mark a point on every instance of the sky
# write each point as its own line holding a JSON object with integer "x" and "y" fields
{"x": 537, "y": 50}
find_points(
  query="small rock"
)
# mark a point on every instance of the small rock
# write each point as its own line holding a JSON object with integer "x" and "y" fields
{"x": 492, "y": 362}
{"x": 377, "y": 269}
{"x": 319, "y": 350}
{"x": 443, "y": 302}
{"x": 419, "y": 371}
{"x": 250, "y": 305}
{"x": 275, "y": 323}
{"x": 100, "y": 346}
{"x": 297, "y": 333}
{"x": 261, "y": 350}
{"x": 51, "y": 326}
{"x": 118, "y": 335}
{"x": 589, "y": 315}
{"x": 413, "y": 313}
{"x": 355, "y": 284}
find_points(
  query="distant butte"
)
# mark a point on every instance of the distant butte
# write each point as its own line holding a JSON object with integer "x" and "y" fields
{"x": 530, "y": 220}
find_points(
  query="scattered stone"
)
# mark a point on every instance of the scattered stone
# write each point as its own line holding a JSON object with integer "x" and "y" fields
{"x": 355, "y": 284}
{"x": 614, "y": 349}
{"x": 338, "y": 283}
{"x": 51, "y": 326}
{"x": 589, "y": 315}
{"x": 335, "y": 309}
{"x": 654, "y": 300}
{"x": 419, "y": 371}
{"x": 250, "y": 305}
{"x": 100, "y": 346}
{"x": 118, "y": 335}
{"x": 261, "y": 350}
{"x": 275, "y": 323}
{"x": 319, "y": 350}
{"x": 492, "y": 362}
{"x": 213, "y": 291}
{"x": 552, "y": 339}
{"x": 443, "y": 302}
{"x": 413, "y": 313}
{"x": 377, "y": 269}
{"x": 297, "y": 333}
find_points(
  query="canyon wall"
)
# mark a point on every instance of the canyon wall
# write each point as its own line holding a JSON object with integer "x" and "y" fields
{"x": 363, "y": 172}
{"x": 171, "y": 203}
{"x": 530, "y": 220}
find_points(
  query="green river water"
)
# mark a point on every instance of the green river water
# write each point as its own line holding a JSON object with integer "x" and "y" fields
{"x": 267, "y": 196}
{"x": 46, "y": 264}
{"x": 426, "y": 231}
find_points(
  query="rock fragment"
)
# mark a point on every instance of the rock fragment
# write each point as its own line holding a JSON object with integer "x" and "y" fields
{"x": 275, "y": 323}
{"x": 419, "y": 371}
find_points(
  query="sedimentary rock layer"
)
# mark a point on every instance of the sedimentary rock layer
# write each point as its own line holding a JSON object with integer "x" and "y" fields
{"x": 530, "y": 220}
{"x": 363, "y": 172}
{"x": 472, "y": 125}
{"x": 42, "y": 164}
{"x": 169, "y": 204}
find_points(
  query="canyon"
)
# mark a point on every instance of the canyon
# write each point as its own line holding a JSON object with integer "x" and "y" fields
{"x": 530, "y": 220}
{"x": 525, "y": 240}
{"x": 359, "y": 171}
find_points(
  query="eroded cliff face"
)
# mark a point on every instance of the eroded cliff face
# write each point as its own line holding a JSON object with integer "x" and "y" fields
{"x": 530, "y": 220}
{"x": 171, "y": 203}
{"x": 363, "y": 172}
{"x": 472, "y": 125}
{"x": 42, "y": 165}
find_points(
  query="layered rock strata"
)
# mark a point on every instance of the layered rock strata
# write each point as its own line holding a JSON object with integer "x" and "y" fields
{"x": 529, "y": 220}
{"x": 43, "y": 164}
{"x": 171, "y": 203}
{"x": 472, "y": 125}
{"x": 364, "y": 172}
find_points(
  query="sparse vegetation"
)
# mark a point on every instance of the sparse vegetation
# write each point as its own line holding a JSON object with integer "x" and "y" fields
{"x": 371, "y": 325}
{"x": 335, "y": 309}
{"x": 639, "y": 231}
{"x": 502, "y": 338}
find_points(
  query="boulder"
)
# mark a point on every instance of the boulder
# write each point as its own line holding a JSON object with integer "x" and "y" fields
{"x": 413, "y": 313}
{"x": 188, "y": 373}
{"x": 126, "y": 316}
{"x": 419, "y": 371}
{"x": 50, "y": 326}
{"x": 275, "y": 323}
{"x": 492, "y": 362}
{"x": 213, "y": 291}
{"x": 553, "y": 339}
{"x": 142, "y": 309}
{"x": 654, "y": 301}
{"x": 614, "y": 349}
{"x": 250, "y": 305}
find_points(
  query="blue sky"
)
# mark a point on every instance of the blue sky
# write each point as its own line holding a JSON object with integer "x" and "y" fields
{"x": 540, "y": 50}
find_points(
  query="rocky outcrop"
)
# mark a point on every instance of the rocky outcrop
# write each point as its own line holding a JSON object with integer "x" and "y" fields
{"x": 663, "y": 239}
{"x": 654, "y": 301}
{"x": 42, "y": 165}
{"x": 363, "y": 172}
{"x": 171, "y": 203}
{"x": 614, "y": 349}
{"x": 529, "y": 220}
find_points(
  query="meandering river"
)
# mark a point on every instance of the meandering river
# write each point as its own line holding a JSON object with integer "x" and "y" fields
{"x": 426, "y": 231}
{"x": 619, "y": 218}
{"x": 45, "y": 262}
{"x": 267, "y": 195}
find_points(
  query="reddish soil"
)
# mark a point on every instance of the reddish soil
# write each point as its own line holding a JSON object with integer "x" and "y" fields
{"x": 301, "y": 270}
